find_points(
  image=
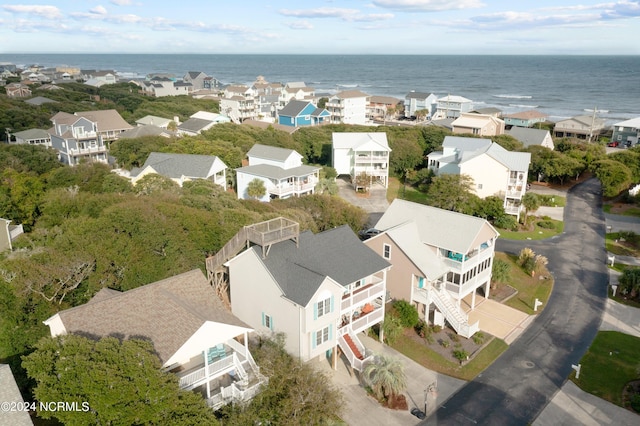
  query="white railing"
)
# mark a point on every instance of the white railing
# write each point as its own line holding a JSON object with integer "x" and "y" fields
{"x": 91, "y": 150}
{"x": 292, "y": 188}
{"x": 452, "y": 313}
{"x": 514, "y": 194}
{"x": 370, "y": 291}
{"x": 356, "y": 363}
{"x": 421, "y": 295}
{"x": 469, "y": 262}
{"x": 383, "y": 158}
{"x": 367, "y": 320}
{"x": 213, "y": 370}
{"x": 232, "y": 393}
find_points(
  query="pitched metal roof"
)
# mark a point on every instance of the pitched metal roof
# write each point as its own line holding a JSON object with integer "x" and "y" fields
{"x": 634, "y": 122}
{"x": 528, "y": 136}
{"x": 336, "y": 253}
{"x": 353, "y": 140}
{"x": 418, "y": 95}
{"x": 271, "y": 152}
{"x": 438, "y": 227}
{"x": 167, "y": 312}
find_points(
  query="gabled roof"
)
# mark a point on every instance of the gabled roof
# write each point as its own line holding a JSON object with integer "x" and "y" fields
{"x": 195, "y": 124}
{"x": 275, "y": 172}
{"x": 336, "y": 253}
{"x": 9, "y": 394}
{"x": 146, "y": 130}
{"x": 294, "y": 108}
{"x": 526, "y": 115}
{"x": 584, "y": 120}
{"x": 107, "y": 120}
{"x": 418, "y": 95}
{"x": 528, "y": 136}
{"x": 474, "y": 121}
{"x": 271, "y": 152}
{"x": 387, "y": 100}
{"x": 407, "y": 238}
{"x": 154, "y": 120}
{"x": 634, "y": 122}
{"x": 437, "y": 227}
{"x": 461, "y": 143}
{"x": 360, "y": 140}
{"x": 167, "y": 312}
{"x": 452, "y": 98}
{"x": 177, "y": 165}
{"x": 266, "y": 125}
{"x": 350, "y": 94}
{"x": 517, "y": 161}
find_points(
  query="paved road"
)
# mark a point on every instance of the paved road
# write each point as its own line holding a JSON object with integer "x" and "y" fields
{"x": 622, "y": 223}
{"x": 517, "y": 387}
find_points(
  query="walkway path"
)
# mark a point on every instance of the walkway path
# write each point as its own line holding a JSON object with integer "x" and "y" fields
{"x": 516, "y": 388}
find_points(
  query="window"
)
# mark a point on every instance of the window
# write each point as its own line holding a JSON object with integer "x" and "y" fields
{"x": 267, "y": 321}
{"x": 386, "y": 251}
{"x": 322, "y": 336}
{"x": 324, "y": 307}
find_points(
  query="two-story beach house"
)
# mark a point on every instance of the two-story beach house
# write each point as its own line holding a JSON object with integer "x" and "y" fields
{"x": 349, "y": 107}
{"x": 319, "y": 290}
{"x": 452, "y": 106}
{"x": 302, "y": 113}
{"x": 477, "y": 124}
{"x": 85, "y": 136}
{"x": 356, "y": 153}
{"x": 239, "y": 103}
{"x": 417, "y": 101}
{"x": 182, "y": 168}
{"x": 627, "y": 132}
{"x": 280, "y": 169}
{"x": 587, "y": 127}
{"x": 439, "y": 258}
{"x": 532, "y": 137}
{"x": 527, "y": 118}
{"x": 495, "y": 171}
{"x": 194, "y": 335}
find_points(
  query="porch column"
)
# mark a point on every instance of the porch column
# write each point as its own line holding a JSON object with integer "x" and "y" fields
{"x": 206, "y": 371}
{"x": 487, "y": 286}
{"x": 246, "y": 346}
{"x": 334, "y": 358}
{"x": 473, "y": 299}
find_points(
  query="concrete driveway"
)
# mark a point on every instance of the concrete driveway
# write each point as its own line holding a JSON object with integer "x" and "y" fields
{"x": 501, "y": 321}
{"x": 375, "y": 203}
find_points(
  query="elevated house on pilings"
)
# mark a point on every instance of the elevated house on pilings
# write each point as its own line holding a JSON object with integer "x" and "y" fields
{"x": 319, "y": 290}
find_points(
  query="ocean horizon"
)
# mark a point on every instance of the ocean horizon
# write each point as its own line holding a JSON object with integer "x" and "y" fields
{"x": 560, "y": 86}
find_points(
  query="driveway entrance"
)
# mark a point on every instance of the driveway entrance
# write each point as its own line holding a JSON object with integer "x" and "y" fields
{"x": 499, "y": 320}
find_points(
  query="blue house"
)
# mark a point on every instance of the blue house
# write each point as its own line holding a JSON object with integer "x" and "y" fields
{"x": 302, "y": 113}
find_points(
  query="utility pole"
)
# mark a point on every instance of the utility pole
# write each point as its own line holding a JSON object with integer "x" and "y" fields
{"x": 593, "y": 121}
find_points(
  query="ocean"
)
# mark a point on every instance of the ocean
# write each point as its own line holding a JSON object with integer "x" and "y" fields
{"x": 560, "y": 86}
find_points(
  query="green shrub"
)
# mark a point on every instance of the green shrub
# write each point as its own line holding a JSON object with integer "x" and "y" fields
{"x": 422, "y": 328}
{"x": 547, "y": 224}
{"x": 635, "y": 402}
{"x": 460, "y": 354}
{"x": 478, "y": 338}
{"x": 407, "y": 313}
{"x": 506, "y": 222}
{"x": 444, "y": 343}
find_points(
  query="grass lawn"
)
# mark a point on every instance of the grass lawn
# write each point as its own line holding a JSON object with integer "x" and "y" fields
{"x": 623, "y": 248}
{"x": 529, "y": 288}
{"x": 409, "y": 193}
{"x": 436, "y": 362}
{"x": 610, "y": 363}
{"x": 621, "y": 209}
{"x": 538, "y": 233}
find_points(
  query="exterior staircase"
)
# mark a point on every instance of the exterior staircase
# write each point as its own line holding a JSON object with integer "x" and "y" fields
{"x": 453, "y": 314}
{"x": 354, "y": 350}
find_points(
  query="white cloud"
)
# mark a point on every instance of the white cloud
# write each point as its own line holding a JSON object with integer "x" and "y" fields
{"x": 321, "y": 12}
{"x": 48, "y": 12}
{"x": 98, "y": 10}
{"x": 428, "y": 5}
{"x": 299, "y": 25}
{"x": 121, "y": 2}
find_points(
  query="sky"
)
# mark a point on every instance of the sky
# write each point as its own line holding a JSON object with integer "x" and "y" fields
{"x": 583, "y": 27}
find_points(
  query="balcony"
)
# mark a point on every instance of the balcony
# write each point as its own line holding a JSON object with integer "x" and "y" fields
{"x": 292, "y": 189}
{"x": 366, "y": 316}
{"x": 87, "y": 151}
{"x": 360, "y": 295}
{"x": 463, "y": 289}
{"x": 370, "y": 158}
{"x": 421, "y": 295}
{"x": 461, "y": 264}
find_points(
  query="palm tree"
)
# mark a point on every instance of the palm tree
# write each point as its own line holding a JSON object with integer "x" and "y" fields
{"x": 386, "y": 376}
{"x": 256, "y": 189}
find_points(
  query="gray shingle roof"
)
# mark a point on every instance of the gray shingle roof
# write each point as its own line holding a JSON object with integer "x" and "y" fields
{"x": 167, "y": 312}
{"x": 39, "y": 100}
{"x": 9, "y": 392}
{"x": 336, "y": 253}
{"x": 418, "y": 95}
{"x": 108, "y": 119}
{"x": 146, "y": 130}
{"x": 293, "y": 108}
{"x": 528, "y": 136}
{"x": 32, "y": 134}
{"x": 194, "y": 124}
{"x": 178, "y": 165}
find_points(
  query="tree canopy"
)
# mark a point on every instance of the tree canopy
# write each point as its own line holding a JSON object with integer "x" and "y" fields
{"x": 112, "y": 382}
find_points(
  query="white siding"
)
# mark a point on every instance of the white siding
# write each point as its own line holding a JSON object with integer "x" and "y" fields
{"x": 487, "y": 172}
